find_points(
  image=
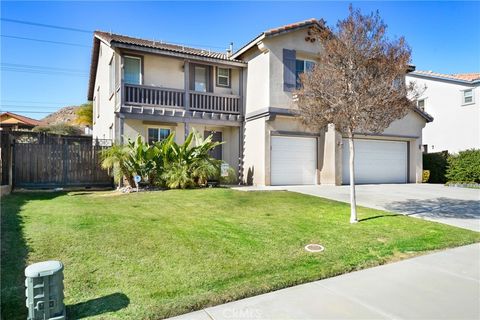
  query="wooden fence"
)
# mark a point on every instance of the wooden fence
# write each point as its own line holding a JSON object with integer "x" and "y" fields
{"x": 50, "y": 161}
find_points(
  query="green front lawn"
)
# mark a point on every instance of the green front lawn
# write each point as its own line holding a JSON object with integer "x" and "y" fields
{"x": 159, "y": 254}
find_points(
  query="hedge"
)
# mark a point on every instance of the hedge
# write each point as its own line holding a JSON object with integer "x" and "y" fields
{"x": 436, "y": 163}
{"x": 464, "y": 166}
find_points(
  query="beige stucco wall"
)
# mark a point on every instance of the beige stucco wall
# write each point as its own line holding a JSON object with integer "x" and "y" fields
{"x": 407, "y": 129}
{"x": 230, "y": 149}
{"x": 455, "y": 127}
{"x": 163, "y": 71}
{"x": 167, "y": 72}
{"x": 329, "y": 146}
{"x": 304, "y": 50}
{"x": 257, "y": 81}
{"x": 105, "y": 117}
{"x": 254, "y": 152}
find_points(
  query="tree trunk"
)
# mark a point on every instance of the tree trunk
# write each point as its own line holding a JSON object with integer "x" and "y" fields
{"x": 353, "y": 204}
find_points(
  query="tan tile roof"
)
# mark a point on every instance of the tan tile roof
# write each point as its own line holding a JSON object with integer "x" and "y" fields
{"x": 23, "y": 119}
{"x": 295, "y": 25}
{"x": 459, "y": 76}
{"x": 156, "y": 44}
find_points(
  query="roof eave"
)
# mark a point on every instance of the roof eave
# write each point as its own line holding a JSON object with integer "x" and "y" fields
{"x": 422, "y": 75}
{"x": 185, "y": 55}
{"x": 423, "y": 114}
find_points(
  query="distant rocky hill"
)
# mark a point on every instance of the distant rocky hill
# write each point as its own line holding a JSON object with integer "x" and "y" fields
{"x": 65, "y": 115}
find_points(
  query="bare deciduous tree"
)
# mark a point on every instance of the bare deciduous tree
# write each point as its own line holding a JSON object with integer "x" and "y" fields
{"x": 358, "y": 84}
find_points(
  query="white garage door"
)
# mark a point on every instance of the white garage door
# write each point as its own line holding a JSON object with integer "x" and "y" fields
{"x": 293, "y": 160}
{"x": 376, "y": 161}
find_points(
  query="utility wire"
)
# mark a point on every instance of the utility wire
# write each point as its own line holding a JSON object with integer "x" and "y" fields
{"x": 26, "y": 111}
{"x": 30, "y": 101}
{"x": 30, "y": 66}
{"x": 45, "y": 25}
{"x": 23, "y": 106}
{"x": 43, "y": 72}
{"x": 45, "y": 41}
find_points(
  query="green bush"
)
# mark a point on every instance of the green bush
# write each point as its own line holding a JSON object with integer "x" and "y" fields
{"x": 230, "y": 179}
{"x": 436, "y": 163}
{"x": 164, "y": 163}
{"x": 464, "y": 166}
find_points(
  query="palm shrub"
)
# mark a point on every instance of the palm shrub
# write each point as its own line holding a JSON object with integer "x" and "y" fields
{"x": 165, "y": 163}
{"x": 116, "y": 158}
{"x": 187, "y": 165}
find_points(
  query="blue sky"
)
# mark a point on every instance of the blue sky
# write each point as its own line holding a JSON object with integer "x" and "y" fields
{"x": 444, "y": 36}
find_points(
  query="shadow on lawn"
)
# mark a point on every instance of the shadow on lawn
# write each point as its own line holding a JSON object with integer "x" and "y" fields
{"x": 112, "y": 302}
{"x": 14, "y": 253}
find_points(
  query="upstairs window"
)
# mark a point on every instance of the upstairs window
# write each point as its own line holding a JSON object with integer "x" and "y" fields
{"x": 223, "y": 77}
{"x": 467, "y": 96}
{"x": 157, "y": 134}
{"x": 302, "y": 66}
{"x": 421, "y": 104}
{"x": 200, "y": 83}
{"x": 132, "y": 70}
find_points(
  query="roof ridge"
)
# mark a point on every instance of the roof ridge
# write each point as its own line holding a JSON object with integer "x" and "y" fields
{"x": 162, "y": 42}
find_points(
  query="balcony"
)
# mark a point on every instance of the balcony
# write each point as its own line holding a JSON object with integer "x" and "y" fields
{"x": 151, "y": 96}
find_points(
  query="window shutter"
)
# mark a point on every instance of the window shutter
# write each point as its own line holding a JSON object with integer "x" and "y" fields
{"x": 210, "y": 79}
{"x": 191, "y": 77}
{"x": 289, "y": 77}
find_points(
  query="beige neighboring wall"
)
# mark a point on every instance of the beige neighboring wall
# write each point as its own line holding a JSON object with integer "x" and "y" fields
{"x": 104, "y": 117}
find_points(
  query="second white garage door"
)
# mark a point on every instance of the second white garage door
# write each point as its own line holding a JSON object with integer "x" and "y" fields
{"x": 293, "y": 160}
{"x": 376, "y": 161}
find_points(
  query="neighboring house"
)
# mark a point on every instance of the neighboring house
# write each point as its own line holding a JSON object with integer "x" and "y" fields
{"x": 453, "y": 100}
{"x": 12, "y": 121}
{"x": 150, "y": 88}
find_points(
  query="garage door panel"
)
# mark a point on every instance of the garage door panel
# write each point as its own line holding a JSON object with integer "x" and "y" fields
{"x": 293, "y": 160}
{"x": 376, "y": 161}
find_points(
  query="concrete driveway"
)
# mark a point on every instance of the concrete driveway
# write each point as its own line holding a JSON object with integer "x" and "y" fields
{"x": 450, "y": 205}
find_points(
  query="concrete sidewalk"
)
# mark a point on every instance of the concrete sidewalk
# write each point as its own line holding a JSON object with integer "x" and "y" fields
{"x": 442, "y": 285}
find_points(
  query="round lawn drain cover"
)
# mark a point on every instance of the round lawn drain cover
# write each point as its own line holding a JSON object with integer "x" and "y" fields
{"x": 313, "y": 247}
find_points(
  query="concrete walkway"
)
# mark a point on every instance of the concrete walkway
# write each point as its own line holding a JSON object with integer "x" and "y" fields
{"x": 459, "y": 207}
{"x": 442, "y": 285}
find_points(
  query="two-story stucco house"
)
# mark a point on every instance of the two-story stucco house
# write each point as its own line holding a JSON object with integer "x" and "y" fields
{"x": 150, "y": 88}
{"x": 453, "y": 100}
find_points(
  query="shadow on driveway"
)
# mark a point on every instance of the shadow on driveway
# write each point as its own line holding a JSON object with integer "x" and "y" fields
{"x": 438, "y": 208}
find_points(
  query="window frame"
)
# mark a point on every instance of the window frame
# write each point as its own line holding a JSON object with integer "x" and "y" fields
{"x": 229, "y": 77}
{"x": 297, "y": 75}
{"x": 158, "y": 129}
{"x": 424, "y": 100}
{"x": 137, "y": 57}
{"x": 472, "y": 96}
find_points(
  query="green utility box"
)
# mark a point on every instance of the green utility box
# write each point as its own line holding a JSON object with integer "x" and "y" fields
{"x": 44, "y": 291}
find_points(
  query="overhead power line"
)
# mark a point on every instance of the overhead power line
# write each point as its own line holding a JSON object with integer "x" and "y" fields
{"x": 45, "y": 41}
{"x": 46, "y": 72}
{"x": 31, "y": 101}
{"x": 31, "y": 23}
{"x": 26, "y": 111}
{"x": 24, "y": 106}
{"x": 18, "y": 65}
